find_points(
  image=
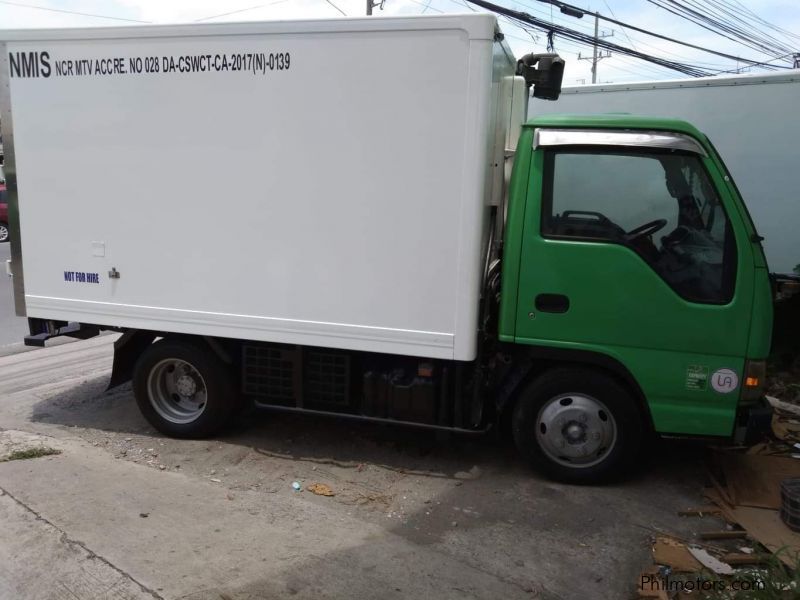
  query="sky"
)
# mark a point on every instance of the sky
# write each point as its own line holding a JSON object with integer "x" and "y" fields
{"x": 615, "y": 68}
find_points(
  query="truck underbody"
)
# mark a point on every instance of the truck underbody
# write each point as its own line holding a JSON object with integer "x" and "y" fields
{"x": 467, "y": 397}
{"x": 428, "y": 393}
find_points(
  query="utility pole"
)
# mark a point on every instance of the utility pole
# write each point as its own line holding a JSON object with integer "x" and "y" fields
{"x": 796, "y": 61}
{"x": 594, "y": 49}
{"x": 372, "y": 4}
{"x": 596, "y": 56}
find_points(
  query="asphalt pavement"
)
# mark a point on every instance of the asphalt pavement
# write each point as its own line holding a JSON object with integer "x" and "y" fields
{"x": 12, "y": 327}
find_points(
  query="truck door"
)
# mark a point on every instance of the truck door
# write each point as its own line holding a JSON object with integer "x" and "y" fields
{"x": 632, "y": 249}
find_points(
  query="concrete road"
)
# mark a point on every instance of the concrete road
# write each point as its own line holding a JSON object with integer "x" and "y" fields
{"x": 125, "y": 513}
{"x": 12, "y": 328}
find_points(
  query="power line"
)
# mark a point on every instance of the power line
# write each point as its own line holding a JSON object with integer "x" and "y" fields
{"x": 766, "y": 62}
{"x": 427, "y": 6}
{"x": 730, "y": 15}
{"x": 71, "y": 12}
{"x": 564, "y": 5}
{"x": 566, "y": 32}
{"x": 748, "y": 12}
{"x": 713, "y": 25}
{"x": 337, "y": 8}
{"x": 625, "y": 31}
{"x": 643, "y": 69}
{"x": 241, "y": 10}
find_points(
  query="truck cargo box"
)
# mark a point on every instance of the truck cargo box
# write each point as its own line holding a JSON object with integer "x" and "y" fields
{"x": 183, "y": 178}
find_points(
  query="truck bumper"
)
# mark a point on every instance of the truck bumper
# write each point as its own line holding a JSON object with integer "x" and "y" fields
{"x": 44, "y": 329}
{"x": 753, "y": 423}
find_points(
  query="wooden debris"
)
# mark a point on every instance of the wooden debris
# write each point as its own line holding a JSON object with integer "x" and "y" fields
{"x": 721, "y": 490}
{"x": 672, "y": 553}
{"x": 710, "y": 562}
{"x": 786, "y": 408}
{"x": 754, "y": 479}
{"x": 700, "y": 511}
{"x": 764, "y": 526}
{"x": 722, "y": 535}
{"x": 743, "y": 559}
{"x": 785, "y": 429}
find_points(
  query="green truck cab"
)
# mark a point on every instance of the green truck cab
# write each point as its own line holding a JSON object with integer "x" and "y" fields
{"x": 629, "y": 260}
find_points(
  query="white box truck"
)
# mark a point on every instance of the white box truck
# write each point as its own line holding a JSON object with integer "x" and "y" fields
{"x": 179, "y": 185}
{"x": 753, "y": 122}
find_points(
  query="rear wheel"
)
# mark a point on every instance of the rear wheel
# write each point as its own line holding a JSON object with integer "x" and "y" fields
{"x": 3, "y": 232}
{"x": 578, "y": 425}
{"x": 183, "y": 389}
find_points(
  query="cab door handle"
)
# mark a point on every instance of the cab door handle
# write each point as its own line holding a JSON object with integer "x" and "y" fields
{"x": 552, "y": 303}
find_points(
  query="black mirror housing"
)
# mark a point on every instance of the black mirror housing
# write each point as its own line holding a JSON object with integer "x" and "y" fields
{"x": 544, "y": 72}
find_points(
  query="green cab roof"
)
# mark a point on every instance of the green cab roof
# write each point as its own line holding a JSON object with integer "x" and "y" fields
{"x": 616, "y": 121}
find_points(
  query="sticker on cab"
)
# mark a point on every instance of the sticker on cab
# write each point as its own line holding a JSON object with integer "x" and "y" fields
{"x": 724, "y": 381}
{"x": 696, "y": 377}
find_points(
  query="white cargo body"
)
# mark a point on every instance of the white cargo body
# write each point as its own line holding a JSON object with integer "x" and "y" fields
{"x": 752, "y": 121}
{"x": 229, "y": 205}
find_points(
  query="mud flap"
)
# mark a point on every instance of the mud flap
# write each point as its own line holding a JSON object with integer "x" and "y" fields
{"x": 127, "y": 350}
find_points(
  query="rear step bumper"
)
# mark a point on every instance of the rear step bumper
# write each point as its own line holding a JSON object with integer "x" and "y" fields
{"x": 45, "y": 329}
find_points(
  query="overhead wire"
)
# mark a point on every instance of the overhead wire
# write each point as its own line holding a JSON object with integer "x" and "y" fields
{"x": 241, "y": 10}
{"x": 336, "y": 7}
{"x": 71, "y": 12}
{"x": 648, "y": 32}
{"x": 744, "y": 10}
{"x": 566, "y": 32}
{"x": 716, "y": 26}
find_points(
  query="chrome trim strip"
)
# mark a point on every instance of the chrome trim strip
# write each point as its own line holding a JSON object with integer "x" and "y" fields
{"x": 10, "y": 170}
{"x": 616, "y": 137}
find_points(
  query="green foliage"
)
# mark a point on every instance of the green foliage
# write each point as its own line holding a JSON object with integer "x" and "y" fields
{"x": 31, "y": 453}
{"x": 772, "y": 580}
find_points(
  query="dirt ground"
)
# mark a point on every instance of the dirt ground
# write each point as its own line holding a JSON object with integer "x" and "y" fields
{"x": 123, "y": 512}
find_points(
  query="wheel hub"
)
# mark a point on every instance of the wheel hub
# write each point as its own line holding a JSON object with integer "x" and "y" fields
{"x": 186, "y": 386}
{"x": 575, "y": 433}
{"x": 177, "y": 391}
{"x": 575, "y": 430}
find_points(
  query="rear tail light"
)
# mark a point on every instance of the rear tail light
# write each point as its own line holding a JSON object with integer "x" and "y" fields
{"x": 755, "y": 376}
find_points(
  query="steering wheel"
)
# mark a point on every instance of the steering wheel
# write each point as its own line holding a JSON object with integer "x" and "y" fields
{"x": 645, "y": 230}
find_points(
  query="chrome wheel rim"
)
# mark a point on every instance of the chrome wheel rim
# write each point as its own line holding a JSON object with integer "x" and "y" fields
{"x": 177, "y": 391}
{"x": 576, "y": 430}
{"x": 3, "y": 233}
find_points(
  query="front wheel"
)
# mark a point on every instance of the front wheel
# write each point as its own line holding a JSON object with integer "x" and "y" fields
{"x": 183, "y": 389}
{"x": 578, "y": 425}
{"x": 3, "y": 232}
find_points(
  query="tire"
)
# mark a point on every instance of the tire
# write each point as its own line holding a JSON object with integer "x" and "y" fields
{"x": 3, "y": 232}
{"x": 578, "y": 426}
{"x": 184, "y": 390}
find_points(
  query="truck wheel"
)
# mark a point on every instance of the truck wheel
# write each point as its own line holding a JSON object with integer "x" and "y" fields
{"x": 578, "y": 425}
{"x": 3, "y": 232}
{"x": 183, "y": 390}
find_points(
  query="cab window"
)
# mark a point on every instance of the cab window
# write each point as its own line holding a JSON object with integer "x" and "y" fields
{"x": 659, "y": 204}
